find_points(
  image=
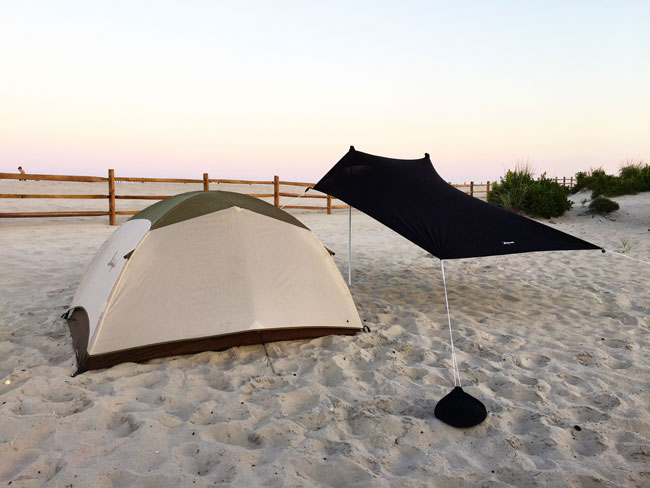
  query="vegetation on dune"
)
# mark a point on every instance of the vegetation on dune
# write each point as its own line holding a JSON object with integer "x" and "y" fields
{"x": 633, "y": 177}
{"x": 602, "y": 205}
{"x": 519, "y": 192}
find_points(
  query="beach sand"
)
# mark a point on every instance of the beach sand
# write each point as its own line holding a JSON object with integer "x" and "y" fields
{"x": 557, "y": 346}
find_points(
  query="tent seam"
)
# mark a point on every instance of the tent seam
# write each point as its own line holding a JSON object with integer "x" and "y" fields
{"x": 111, "y": 295}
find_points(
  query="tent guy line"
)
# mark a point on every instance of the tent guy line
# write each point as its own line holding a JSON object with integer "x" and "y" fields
{"x": 451, "y": 336}
{"x": 626, "y": 256}
{"x": 297, "y": 198}
{"x": 269, "y": 361}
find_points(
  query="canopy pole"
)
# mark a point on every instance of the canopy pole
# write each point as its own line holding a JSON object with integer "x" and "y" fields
{"x": 350, "y": 245}
{"x": 451, "y": 337}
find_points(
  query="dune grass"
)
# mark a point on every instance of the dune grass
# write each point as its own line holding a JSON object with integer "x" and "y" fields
{"x": 633, "y": 177}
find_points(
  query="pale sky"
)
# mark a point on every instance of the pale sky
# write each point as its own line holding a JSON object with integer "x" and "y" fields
{"x": 249, "y": 89}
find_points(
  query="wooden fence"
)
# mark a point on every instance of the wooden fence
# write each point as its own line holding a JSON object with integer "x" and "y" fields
{"x": 478, "y": 190}
{"x": 111, "y": 179}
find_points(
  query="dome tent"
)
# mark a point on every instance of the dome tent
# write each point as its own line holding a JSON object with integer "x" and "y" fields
{"x": 206, "y": 271}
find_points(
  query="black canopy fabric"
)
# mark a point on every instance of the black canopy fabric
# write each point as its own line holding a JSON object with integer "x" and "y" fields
{"x": 412, "y": 199}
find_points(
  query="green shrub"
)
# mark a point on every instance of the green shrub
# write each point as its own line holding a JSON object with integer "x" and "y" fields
{"x": 637, "y": 172}
{"x": 602, "y": 205}
{"x": 547, "y": 198}
{"x": 633, "y": 178}
{"x": 631, "y": 170}
{"x": 511, "y": 193}
{"x": 644, "y": 179}
{"x": 519, "y": 192}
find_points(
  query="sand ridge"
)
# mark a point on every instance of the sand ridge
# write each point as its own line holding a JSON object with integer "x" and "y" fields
{"x": 555, "y": 345}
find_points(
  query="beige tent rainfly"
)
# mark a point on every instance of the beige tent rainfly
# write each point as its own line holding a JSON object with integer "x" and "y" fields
{"x": 206, "y": 271}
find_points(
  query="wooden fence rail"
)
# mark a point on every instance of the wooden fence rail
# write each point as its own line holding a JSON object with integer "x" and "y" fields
{"x": 112, "y": 212}
{"x": 478, "y": 190}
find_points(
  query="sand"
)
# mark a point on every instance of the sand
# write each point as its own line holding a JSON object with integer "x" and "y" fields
{"x": 557, "y": 346}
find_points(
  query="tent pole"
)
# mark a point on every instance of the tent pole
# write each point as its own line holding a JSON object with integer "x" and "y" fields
{"x": 350, "y": 245}
{"x": 451, "y": 337}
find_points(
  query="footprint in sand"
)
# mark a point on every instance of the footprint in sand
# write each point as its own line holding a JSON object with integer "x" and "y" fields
{"x": 638, "y": 451}
{"x": 587, "y": 442}
{"x": 404, "y": 460}
{"x": 319, "y": 472}
{"x": 123, "y": 425}
{"x": 514, "y": 391}
{"x": 148, "y": 379}
{"x": 330, "y": 374}
{"x": 572, "y": 380}
{"x": 234, "y": 433}
{"x": 526, "y": 380}
{"x": 219, "y": 381}
{"x": 337, "y": 448}
{"x": 214, "y": 464}
{"x": 588, "y": 359}
{"x": 604, "y": 401}
{"x": 586, "y": 413}
{"x": 524, "y": 420}
{"x": 62, "y": 401}
{"x": 615, "y": 343}
{"x": 533, "y": 361}
{"x": 616, "y": 364}
{"x": 299, "y": 401}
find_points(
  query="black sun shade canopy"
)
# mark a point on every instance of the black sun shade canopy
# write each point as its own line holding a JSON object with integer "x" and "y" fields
{"x": 412, "y": 199}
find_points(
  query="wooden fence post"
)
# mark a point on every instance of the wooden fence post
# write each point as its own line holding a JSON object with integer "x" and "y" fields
{"x": 276, "y": 191}
{"x": 487, "y": 190}
{"x": 111, "y": 196}
{"x": 471, "y": 188}
{"x": 329, "y": 204}
{"x": 206, "y": 182}
{"x": 564, "y": 181}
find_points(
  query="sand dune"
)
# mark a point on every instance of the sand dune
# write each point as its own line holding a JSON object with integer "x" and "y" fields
{"x": 555, "y": 344}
